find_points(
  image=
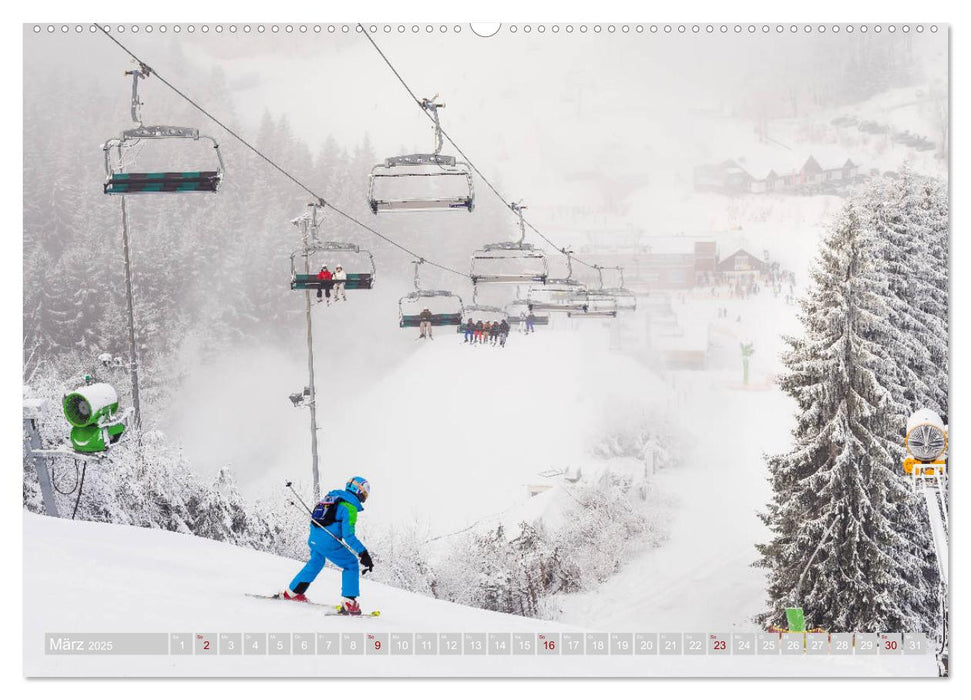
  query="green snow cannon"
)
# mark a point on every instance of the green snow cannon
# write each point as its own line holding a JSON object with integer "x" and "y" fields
{"x": 91, "y": 412}
{"x": 796, "y": 619}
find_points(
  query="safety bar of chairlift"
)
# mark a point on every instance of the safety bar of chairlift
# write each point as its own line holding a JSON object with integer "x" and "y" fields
{"x": 484, "y": 309}
{"x": 525, "y": 250}
{"x": 428, "y": 294}
{"x": 331, "y": 247}
{"x": 419, "y": 159}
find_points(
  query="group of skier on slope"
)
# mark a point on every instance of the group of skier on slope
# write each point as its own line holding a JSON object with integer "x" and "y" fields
{"x": 336, "y": 281}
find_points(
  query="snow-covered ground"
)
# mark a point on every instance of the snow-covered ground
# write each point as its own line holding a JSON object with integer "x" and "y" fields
{"x": 702, "y": 576}
{"x": 455, "y": 433}
{"x": 106, "y": 578}
{"x": 87, "y": 577}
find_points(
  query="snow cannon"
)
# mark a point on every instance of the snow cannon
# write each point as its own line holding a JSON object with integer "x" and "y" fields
{"x": 92, "y": 412}
{"x": 926, "y": 443}
{"x": 796, "y": 619}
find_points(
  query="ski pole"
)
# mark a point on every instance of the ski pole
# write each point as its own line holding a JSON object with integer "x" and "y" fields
{"x": 319, "y": 524}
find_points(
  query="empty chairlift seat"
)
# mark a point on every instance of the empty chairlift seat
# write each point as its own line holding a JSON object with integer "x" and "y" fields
{"x": 624, "y": 299}
{"x": 118, "y": 151}
{"x": 422, "y": 181}
{"x": 509, "y": 262}
{"x": 562, "y": 295}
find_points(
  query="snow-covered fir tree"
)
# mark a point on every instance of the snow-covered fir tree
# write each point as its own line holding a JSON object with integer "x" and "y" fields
{"x": 848, "y": 543}
{"x": 909, "y": 216}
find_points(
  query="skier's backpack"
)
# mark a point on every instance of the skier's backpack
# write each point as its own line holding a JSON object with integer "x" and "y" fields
{"x": 326, "y": 511}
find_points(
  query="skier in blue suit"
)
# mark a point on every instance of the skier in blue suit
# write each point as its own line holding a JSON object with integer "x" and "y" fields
{"x": 333, "y": 525}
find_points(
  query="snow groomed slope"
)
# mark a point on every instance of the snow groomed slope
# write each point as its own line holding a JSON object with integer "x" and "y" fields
{"x": 89, "y": 577}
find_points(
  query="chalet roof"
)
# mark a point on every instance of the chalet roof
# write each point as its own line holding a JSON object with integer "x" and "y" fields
{"x": 830, "y": 157}
{"x": 764, "y": 159}
{"x": 727, "y": 264}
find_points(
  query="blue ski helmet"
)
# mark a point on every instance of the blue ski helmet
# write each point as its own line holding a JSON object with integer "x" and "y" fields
{"x": 360, "y": 487}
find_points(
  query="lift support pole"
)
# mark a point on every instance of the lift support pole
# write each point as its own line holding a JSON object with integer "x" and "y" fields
{"x": 130, "y": 298}
{"x": 32, "y": 445}
{"x": 306, "y": 227}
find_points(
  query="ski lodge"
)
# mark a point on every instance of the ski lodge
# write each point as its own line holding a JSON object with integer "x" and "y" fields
{"x": 741, "y": 263}
{"x": 777, "y": 172}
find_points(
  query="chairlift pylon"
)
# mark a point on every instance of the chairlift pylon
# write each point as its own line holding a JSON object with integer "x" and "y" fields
{"x": 509, "y": 262}
{"x": 426, "y": 168}
{"x": 167, "y": 182}
{"x": 409, "y": 313}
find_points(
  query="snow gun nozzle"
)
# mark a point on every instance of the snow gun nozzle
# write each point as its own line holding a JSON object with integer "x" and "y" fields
{"x": 289, "y": 484}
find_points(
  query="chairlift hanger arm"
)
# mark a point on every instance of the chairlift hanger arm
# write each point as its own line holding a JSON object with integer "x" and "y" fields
{"x": 142, "y": 72}
{"x": 431, "y": 106}
{"x": 518, "y": 207}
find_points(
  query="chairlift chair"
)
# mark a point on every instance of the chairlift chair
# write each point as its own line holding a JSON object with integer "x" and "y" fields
{"x": 596, "y": 304}
{"x": 518, "y": 309}
{"x": 119, "y": 182}
{"x": 483, "y": 312}
{"x": 626, "y": 299}
{"x": 423, "y": 171}
{"x": 559, "y": 295}
{"x": 333, "y": 253}
{"x": 411, "y": 305}
{"x": 509, "y": 262}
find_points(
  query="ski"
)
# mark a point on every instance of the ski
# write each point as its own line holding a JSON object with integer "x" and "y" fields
{"x": 337, "y": 613}
{"x": 277, "y": 596}
{"x": 333, "y": 610}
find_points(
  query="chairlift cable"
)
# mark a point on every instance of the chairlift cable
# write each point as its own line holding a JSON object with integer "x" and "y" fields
{"x": 462, "y": 153}
{"x": 273, "y": 163}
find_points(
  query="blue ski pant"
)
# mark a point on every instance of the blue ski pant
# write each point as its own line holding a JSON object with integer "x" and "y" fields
{"x": 322, "y": 548}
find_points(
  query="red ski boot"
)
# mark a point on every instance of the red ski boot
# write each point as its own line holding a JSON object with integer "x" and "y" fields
{"x": 290, "y": 595}
{"x": 350, "y": 606}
